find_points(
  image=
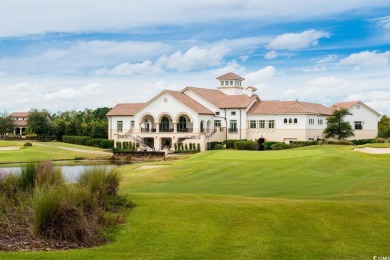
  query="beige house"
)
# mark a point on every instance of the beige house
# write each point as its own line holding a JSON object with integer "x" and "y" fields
{"x": 20, "y": 122}
{"x": 201, "y": 115}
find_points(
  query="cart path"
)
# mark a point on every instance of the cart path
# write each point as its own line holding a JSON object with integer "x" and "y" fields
{"x": 75, "y": 149}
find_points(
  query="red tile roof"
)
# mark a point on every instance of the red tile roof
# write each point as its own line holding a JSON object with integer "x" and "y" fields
{"x": 189, "y": 102}
{"x": 349, "y": 104}
{"x": 230, "y": 76}
{"x": 221, "y": 100}
{"x": 19, "y": 114}
{"x": 124, "y": 109}
{"x": 287, "y": 107}
{"x": 344, "y": 105}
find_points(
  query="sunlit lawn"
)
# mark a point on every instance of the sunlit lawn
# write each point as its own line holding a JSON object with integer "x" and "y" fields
{"x": 320, "y": 202}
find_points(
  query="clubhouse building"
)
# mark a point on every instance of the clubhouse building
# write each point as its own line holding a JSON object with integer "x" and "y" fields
{"x": 201, "y": 115}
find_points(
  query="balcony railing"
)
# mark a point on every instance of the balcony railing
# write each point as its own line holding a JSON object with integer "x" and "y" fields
{"x": 166, "y": 130}
{"x": 148, "y": 130}
{"x": 185, "y": 130}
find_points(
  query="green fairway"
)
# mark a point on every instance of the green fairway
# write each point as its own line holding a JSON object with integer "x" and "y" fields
{"x": 47, "y": 151}
{"x": 320, "y": 202}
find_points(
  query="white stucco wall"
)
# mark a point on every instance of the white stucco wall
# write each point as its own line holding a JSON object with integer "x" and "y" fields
{"x": 367, "y": 117}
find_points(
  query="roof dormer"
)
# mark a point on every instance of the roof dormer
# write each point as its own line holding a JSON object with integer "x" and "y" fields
{"x": 230, "y": 84}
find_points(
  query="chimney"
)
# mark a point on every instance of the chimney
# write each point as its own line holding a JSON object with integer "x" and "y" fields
{"x": 250, "y": 91}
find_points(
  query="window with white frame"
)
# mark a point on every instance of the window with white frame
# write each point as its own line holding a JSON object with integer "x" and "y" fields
{"x": 261, "y": 123}
{"x": 311, "y": 121}
{"x": 271, "y": 124}
{"x": 358, "y": 125}
{"x": 252, "y": 124}
{"x": 285, "y": 120}
{"x": 320, "y": 121}
{"x": 132, "y": 123}
{"x": 217, "y": 113}
{"x": 119, "y": 126}
{"x": 233, "y": 113}
{"x": 295, "y": 120}
{"x": 217, "y": 123}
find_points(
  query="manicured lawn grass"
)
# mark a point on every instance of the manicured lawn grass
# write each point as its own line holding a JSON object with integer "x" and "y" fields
{"x": 320, "y": 202}
{"x": 45, "y": 151}
{"x": 376, "y": 145}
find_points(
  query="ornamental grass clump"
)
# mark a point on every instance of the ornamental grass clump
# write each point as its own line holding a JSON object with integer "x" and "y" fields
{"x": 101, "y": 183}
{"x": 57, "y": 215}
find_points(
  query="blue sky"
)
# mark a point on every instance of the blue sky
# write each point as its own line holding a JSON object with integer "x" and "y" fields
{"x": 64, "y": 55}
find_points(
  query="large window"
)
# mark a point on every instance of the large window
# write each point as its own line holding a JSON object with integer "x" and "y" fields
{"x": 119, "y": 126}
{"x": 182, "y": 126}
{"x": 252, "y": 124}
{"x": 262, "y": 124}
{"x": 217, "y": 123}
{"x": 358, "y": 125}
{"x": 233, "y": 126}
{"x": 164, "y": 125}
{"x": 271, "y": 124}
{"x": 311, "y": 121}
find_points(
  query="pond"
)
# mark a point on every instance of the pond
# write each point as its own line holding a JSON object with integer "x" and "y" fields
{"x": 70, "y": 172}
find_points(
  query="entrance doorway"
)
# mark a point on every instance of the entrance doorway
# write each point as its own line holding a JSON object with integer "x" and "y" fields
{"x": 166, "y": 143}
{"x": 260, "y": 143}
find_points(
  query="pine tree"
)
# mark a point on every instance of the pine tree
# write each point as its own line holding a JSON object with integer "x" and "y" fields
{"x": 337, "y": 127}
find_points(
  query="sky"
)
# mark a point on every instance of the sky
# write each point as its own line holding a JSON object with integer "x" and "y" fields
{"x": 71, "y": 55}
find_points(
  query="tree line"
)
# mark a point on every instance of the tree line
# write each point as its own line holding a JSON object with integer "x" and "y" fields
{"x": 89, "y": 122}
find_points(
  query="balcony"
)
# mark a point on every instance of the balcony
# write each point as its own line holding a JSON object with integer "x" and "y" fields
{"x": 148, "y": 130}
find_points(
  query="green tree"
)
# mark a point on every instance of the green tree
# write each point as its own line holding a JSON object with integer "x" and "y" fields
{"x": 384, "y": 127}
{"x": 39, "y": 123}
{"x": 337, "y": 127}
{"x": 6, "y": 124}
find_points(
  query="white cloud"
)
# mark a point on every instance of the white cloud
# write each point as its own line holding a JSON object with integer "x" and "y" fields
{"x": 260, "y": 76}
{"x": 325, "y": 82}
{"x": 41, "y": 16}
{"x": 271, "y": 55}
{"x": 384, "y": 22}
{"x": 194, "y": 58}
{"x": 315, "y": 69}
{"x": 327, "y": 59}
{"x": 146, "y": 67}
{"x": 367, "y": 58}
{"x": 73, "y": 93}
{"x": 232, "y": 66}
{"x": 295, "y": 41}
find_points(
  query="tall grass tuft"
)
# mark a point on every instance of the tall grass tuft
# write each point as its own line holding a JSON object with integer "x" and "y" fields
{"x": 46, "y": 174}
{"x": 27, "y": 175}
{"x": 101, "y": 183}
{"x": 56, "y": 214}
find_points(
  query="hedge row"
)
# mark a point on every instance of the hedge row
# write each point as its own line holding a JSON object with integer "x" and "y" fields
{"x": 86, "y": 140}
{"x": 214, "y": 146}
{"x": 245, "y": 145}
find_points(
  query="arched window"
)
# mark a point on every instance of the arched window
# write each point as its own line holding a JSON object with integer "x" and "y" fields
{"x": 164, "y": 125}
{"x": 290, "y": 121}
{"x": 285, "y": 120}
{"x": 295, "y": 121}
{"x": 182, "y": 126}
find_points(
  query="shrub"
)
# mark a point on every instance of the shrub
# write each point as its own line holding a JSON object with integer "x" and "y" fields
{"x": 190, "y": 145}
{"x": 106, "y": 144}
{"x": 380, "y": 140}
{"x": 93, "y": 142}
{"x": 245, "y": 145}
{"x": 296, "y": 144}
{"x": 219, "y": 147}
{"x": 175, "y": 145}
{"x": 186, "y": 147}
{"x": 27, "y": 144}
{"x": 267, "y": 145}
{"x": 339, "y": 142}
{"x": 119, "y": 145}
{"x": 359, "y": 141}
{"x": 211, "y": 145}
{"x": 230, "y": 143}
{"x": 279, "y": 146}
{"x": 75, "y": 139}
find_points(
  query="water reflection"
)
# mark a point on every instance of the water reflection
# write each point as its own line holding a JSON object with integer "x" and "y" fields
{"x": 70, "y": 172}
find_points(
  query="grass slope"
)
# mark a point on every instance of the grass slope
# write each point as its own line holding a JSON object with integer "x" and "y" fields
{"x": 309, "y": 203}
{"x": 45, "y": 151}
